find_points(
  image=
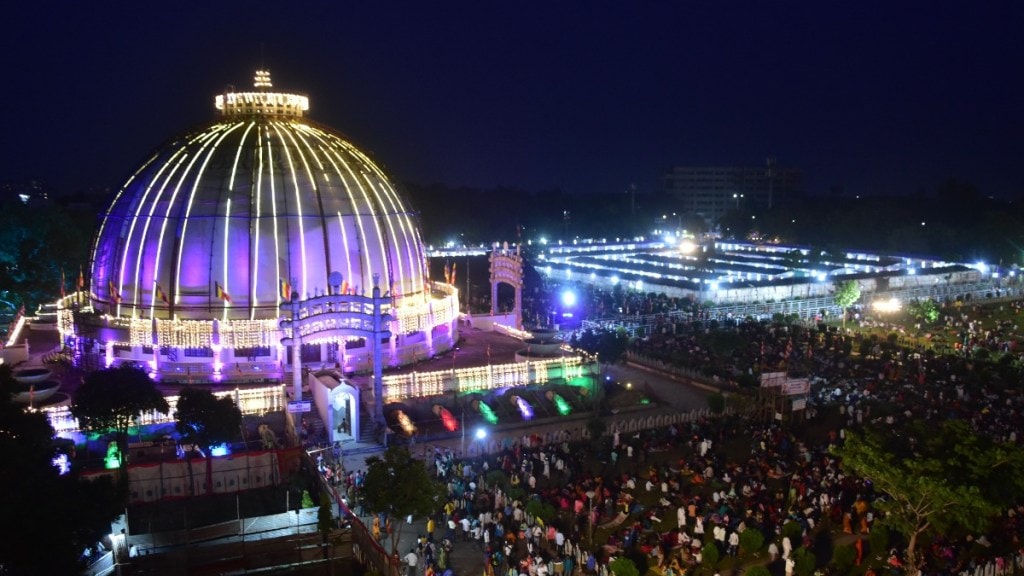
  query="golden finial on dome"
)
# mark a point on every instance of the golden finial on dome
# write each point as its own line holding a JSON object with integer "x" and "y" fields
{"x": 262, "y": 79}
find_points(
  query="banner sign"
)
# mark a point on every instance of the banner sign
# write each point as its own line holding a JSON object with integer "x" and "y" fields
{"x": 796, "y": 386}
{"x": 769, "y": 379}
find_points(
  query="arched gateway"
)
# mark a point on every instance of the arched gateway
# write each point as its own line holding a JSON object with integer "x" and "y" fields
{"x": 339, "y": 317}
{"x": 507, "y": 268}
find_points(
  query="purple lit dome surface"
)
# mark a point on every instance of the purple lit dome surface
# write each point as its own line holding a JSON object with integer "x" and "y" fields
{"x": 260, "y": 196}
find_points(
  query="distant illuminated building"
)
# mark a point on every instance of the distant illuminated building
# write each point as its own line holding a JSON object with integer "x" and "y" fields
{"x": 215, "y": 230}
{"x": 712, "y": 191}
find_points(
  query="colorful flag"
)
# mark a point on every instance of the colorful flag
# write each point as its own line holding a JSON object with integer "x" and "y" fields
{"x": 447, "y": 274}
{"x": 221, "y": 292}
{"x": 81, "y": 279}
{"x": 454, "y": 266}
{"x": 161, "y": 295}
{"x": 115, "y": 296}
{"x": 344, "y": 287}
{"x": 62, "y": 294}
{"x": 286, "y": 290}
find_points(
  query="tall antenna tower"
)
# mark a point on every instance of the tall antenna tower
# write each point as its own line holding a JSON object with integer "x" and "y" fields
{"x": 771, "y": 180}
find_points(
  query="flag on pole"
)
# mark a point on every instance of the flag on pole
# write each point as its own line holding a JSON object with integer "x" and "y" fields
{"x": 221, "y": 292}
{"x": 286, "y": 290}
{"x": 62, "y": 293}
{"x": 162, "y": 295}
{"x": 344, "y": 287}
{"x": 81, "y": 279}
{"x": 454, "y": 266}
{"x": 447, "y": 274}
{"x": 115, "y": 296}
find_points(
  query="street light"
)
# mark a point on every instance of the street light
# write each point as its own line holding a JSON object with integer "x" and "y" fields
{"x": 590, "y": 533}
{"x": 480, "y": 435}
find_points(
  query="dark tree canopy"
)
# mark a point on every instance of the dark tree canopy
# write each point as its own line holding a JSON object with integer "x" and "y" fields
{"x": 205, "y": 420}
{"x": 71, "y": 512}
{"x": 400, "y": 485}
{"x": 36, "y": 243}
{"x": 953, "y": 480}
{"x": 609, "y": 345}
{"x": 114, "y": 398}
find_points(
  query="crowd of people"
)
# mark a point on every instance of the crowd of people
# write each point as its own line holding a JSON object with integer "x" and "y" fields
{"x": 669, "y": 494}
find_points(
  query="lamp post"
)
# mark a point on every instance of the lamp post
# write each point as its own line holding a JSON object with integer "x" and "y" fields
{"x": 590, "y": 531}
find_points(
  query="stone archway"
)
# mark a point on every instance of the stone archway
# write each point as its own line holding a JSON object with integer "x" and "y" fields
{"x": 507, "y": 268}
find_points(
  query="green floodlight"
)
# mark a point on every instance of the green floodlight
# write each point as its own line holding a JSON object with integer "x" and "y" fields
{"x": 563, "y": 407}
{"x": 113, "y": 458}
{"x": 487, "y": 413}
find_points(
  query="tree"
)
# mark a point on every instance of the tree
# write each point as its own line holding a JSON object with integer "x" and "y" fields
{"x": 922, "y": 499}
{"x": 924, "y": 310}
{"x": 206, "y": 421}
{"x": 113, "y": 399}
{"x": 609, "y": 345}
{"x": 846, "y": 293}
{"x": 400, "y": 486}
{"x": 36, "y": 243}
{"x": 71, "y": 512}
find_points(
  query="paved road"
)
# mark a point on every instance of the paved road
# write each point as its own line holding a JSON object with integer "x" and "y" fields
{"x": 678, "y": 393}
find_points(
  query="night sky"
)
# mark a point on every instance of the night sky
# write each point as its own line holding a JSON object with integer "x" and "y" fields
{"x": 876, "y": 97}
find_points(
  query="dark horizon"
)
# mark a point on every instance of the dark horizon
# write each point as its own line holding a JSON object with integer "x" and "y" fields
{"x": 875, "y": 99}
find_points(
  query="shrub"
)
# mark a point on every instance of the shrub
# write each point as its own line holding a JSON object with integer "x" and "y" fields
{"x": 843, "y": 558}
{"x": 541, "y": 510}
{"x": 794, "y": 530}
{"x": 623, "y": 566}
{"x": 804, "y": 562}
{"x": 758, "y": 571}
{"x": 751, "y": 541}
{"x": 710, "y": 553}
{"x": 716, "y": 403}
{"x": 498, "y": 478}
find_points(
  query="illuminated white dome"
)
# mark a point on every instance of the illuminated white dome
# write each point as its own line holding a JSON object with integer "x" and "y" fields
{"x": 212, "y": 223}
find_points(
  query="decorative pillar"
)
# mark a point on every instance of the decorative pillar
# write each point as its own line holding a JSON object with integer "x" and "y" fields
{"x": 378, "y": 360}
{"x": 296, "y": 351}
{"x": 156, "y": 349}
{"x": 295, "y": 341}
{"x": 519, "y": 290}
